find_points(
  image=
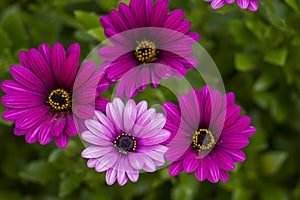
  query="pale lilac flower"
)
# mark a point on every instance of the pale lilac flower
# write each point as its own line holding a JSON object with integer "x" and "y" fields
{"x": 125, "y": 140}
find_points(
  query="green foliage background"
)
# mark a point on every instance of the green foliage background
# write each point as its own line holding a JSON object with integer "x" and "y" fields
{"x": 258, "y": 55}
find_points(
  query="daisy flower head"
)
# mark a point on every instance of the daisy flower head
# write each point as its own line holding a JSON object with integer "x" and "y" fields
{"x": 125, "y": 140}
{"x": 207, "y": 134}
{"x": 42, "y": 97}
{"x": 148, "y": 44}
{"x": 244, "y": 4}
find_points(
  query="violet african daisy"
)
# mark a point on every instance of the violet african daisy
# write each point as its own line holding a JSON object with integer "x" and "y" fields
{"x": 207, "y": 134}
{"x": 125, "y": 140}
{"x": 43, "y": 96}
{"x": 147, "y": 42}
{"x": 244, "y": 4}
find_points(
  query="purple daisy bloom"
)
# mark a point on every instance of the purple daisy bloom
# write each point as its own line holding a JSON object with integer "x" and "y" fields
{"x": 148, "y": 42}
{"x": 244, "y": 4}
{"x": 207, "y": 134}
{"x": 125, "y": 141}
{"x": 41, "y": 98}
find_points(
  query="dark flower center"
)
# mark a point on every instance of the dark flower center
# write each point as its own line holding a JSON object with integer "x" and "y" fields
{"x": 146, "y": 52}
{"x": 125, "y": 143}
{"x": 203, "y": 139}
{"x": 59, "y": 100}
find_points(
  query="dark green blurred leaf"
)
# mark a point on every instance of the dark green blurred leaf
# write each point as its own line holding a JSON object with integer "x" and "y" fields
{"x": 97, "y": 33}
{"x": 69, "y": 184}
{"x": 87, "y": 19}
{"x": 272, "y": 161}
{"x": 244, "y": 62}
{"x": 292, "y": 4}
{"x": 38, "y": 172}
{"x": 276, "y": 57}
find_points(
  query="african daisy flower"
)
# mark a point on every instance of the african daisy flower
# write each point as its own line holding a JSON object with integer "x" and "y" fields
{"x": 147, "y": 42}
{"x": 244, "y": 4}
{"x": 207, "y": 134}
{"x": 125, "y": 140}
{"x": 43, "y": 100}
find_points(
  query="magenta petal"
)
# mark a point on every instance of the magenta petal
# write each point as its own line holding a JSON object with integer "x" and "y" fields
{"x": 224, "y": 160}
{"x": 234, "y": 141}
{"x": 22, "y": 100}
{"x": 58, "y": 126}
{"x": 253, "y": 5}
{"x": 240, "y": 125}
{"x": 137, "y": 8}
{"x": 58, "y": 59}
{"x": 62, "y": 140}
{"x": 70, "y": 127}
{"x": 243, "y": 3}
{"x": 100, "y": 103}
{"x": 213, "y": 171}
{"x": 73, "y": 49}
{"x": 45, "y": 136}
{"x": 175, "y": 168}
{"x": 70, "y": 69}
{"x": 45, "y": 50}
{"x": 40, "y": 67}
{"x": 237, "y": 155}
{"x": 32, "y": 136}
{"x": 248, "y": 132}
{"x": 190, "y": 163}
{"x": 127, "y": 15}
{"x": 119, "y": 22}
{"x": 23, "y": 56}
{"x": 31, "y": 117}
{"x": 27, "y": 78}
{"x": 174, "y": 19}
{"x": 159, "y": 14}
{"x": 83, "y": 111}
{"x": 202, "y": 170}
{"x": 12, "y": 114}
{"x": 223, "y": 175}
{"x": 216, "y": 4}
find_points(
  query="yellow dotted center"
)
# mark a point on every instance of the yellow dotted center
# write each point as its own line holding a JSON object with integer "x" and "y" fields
{"x": 201, "y": 142}
{"x": 146, "y": 52}
{"x": 125, "y": 143}
{"x": 59, "y": 100}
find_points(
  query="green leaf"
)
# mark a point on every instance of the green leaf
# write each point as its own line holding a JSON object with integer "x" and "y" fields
{"x": 242, "y": 194}
{"x": 87, "y": 19}
{"x": 38, "y": 172}
{"x": 264, "y": 82}
{"x": 97, "y": 33}
{"x": 4, "y": 39}
{"x": 14, "y": 27}
{"x": 272, "y": 161}
{"x": 292, "y": 4}
{"x": 69, "y": 184}
{"x": 276, "y": 57}
{"x": 244, "y": 62}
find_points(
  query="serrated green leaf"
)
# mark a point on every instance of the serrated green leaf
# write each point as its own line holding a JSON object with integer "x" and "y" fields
{"x": 38, "y": 172}
{"x": 272, "y": 161}
{"x": 88, "y": 20}
{"x": 276, "y": 57}
{"x": 244, "y": 62}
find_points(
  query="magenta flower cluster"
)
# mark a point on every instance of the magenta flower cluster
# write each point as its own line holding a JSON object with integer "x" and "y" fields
{"x": 52, "y": 97}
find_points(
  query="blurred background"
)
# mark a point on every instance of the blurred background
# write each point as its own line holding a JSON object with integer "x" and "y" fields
{"x": 258, "y": 55}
